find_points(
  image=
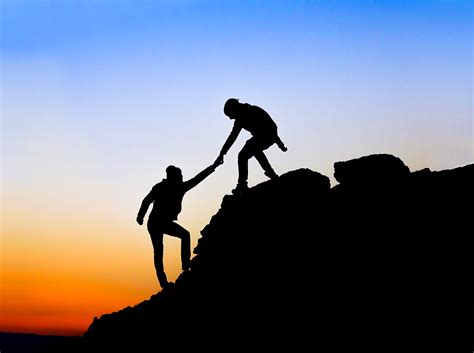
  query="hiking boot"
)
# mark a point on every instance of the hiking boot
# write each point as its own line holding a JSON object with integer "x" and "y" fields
{"x": 240, "y": 188}
{"x": 272, "y": 175}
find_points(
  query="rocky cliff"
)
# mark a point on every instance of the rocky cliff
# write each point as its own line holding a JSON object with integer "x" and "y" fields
{"x": 377, "y": 262}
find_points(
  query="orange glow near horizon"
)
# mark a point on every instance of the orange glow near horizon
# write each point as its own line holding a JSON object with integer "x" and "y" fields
{"x": 62, "y": 302}
{"x": 54, "y": 284}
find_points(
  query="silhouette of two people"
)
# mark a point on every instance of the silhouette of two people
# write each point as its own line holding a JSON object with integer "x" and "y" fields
{"x": 167, "y": 195}
{"x": 264, "y": 134}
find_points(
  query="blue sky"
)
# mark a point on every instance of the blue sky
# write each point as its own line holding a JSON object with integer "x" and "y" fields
{"x": 344, "y": 66}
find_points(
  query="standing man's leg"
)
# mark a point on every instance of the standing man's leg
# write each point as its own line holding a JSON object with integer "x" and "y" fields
{"x": 265, "y": 164}
{"x": 156, "y": 234}
{"x": 175, "y": 230}
{"x": 254, "y": 148}
{"x": 245, "y": 154}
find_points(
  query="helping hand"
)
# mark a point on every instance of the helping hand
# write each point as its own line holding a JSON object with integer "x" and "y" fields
{"x": 284, "y": 148}
{"x": 219, "y": 160}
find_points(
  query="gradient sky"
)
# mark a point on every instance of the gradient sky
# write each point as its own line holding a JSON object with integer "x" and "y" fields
{"x": 99, "y": 96}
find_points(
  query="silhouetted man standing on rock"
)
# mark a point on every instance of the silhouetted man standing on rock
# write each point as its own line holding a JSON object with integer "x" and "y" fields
{"x": 264, "y": 134}
{"x": 167, "y": 197}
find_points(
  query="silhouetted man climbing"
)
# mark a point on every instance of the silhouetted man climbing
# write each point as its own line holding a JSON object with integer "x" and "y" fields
{"x": 167, "y": 197}
{"x": 264, "y": 134}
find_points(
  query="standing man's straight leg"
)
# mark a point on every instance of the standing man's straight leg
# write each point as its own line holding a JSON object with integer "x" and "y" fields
{"x": 175, "y": 230}
{"x": 156, "y": 234}
{"x": 245, "y": 154}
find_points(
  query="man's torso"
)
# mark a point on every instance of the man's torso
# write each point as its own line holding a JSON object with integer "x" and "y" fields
{"x": 257, "y": 121}
{"x": 168, "y": 200}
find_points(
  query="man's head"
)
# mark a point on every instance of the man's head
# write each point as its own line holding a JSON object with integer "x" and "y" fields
{"x": 174, "y": 174}
{"x": 231, "y": 107}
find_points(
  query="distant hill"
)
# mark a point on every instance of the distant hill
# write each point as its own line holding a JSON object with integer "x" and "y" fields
{"x": 377, "y": 262}
{"x": 32, "y": 343}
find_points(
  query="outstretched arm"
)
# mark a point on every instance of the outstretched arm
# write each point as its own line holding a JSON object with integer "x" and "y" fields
{"x": 201, "y": 176}
{"x": 231, "y": 139}
{"x": 144, "y": 207}
{"x": 280, "y": 144}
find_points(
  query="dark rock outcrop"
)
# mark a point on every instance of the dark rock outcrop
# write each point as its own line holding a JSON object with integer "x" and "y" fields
{"x": 296, "y": 264}
{"x": 375, "y": 168}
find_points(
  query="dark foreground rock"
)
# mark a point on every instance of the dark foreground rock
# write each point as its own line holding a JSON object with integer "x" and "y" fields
{"x": 378, "y": 262}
